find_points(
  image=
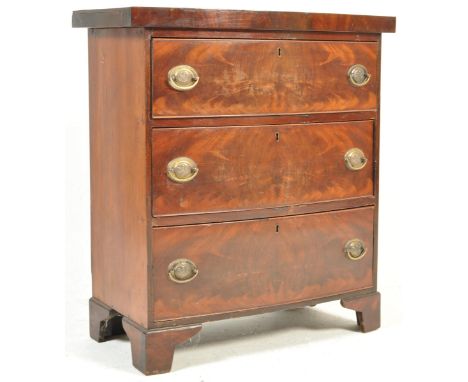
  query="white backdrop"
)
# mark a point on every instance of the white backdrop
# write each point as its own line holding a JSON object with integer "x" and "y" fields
{"x": 45, "y": 273}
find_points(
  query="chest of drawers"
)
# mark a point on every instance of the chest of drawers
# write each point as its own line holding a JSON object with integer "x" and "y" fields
{"x": 234, "y": 168}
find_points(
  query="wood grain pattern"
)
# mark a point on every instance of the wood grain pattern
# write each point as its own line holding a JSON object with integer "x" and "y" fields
{"x": 242, "y": 77}
{"x": 191, "y": 320}
{"x": 367, "y": 310}
{"x": 377, "y": 164}
{"x": 246, "y": 120}
{"x": 260, "y": 213}
{"x": 258, "y": 263}
{"x": 120, "y": 211}
{"x": 260, "y": 166}
{"x": 153, "y": 351}
{"x": 229, "y": 19}
{"x": 264, "y": 35}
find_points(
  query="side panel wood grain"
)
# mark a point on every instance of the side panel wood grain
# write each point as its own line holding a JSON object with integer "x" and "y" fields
{"x": 249, "y": 77}
{"x": 119, "y": 170}
{"x": 258, "y": 263}
{"x": 260, "y": 166}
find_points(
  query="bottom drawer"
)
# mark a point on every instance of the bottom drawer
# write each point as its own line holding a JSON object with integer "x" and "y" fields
{"x": 259, "y": 263}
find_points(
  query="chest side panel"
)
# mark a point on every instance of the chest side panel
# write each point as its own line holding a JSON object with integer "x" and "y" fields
{"x": 119, "y": 170}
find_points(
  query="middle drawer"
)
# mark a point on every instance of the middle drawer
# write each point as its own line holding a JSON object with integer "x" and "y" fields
{"x": 208, "y": 169}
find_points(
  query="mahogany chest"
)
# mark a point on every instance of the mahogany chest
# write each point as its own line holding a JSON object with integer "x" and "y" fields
{"x": 234, "y": 168}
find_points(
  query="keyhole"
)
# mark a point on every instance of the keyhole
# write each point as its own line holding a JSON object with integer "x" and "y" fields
{"x": 279, "y": 51}
{"x": 277, "y": 136}
{"x": 277, "y": 228}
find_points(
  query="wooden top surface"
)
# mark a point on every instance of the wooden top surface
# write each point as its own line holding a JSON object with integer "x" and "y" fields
{"x": 185, "y": 18}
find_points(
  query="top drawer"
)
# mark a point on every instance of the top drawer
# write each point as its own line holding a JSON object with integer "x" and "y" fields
{"x": 256, "y": 77}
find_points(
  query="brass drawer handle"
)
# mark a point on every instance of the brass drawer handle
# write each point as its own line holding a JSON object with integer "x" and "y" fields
{"x": 355, "y": 249}
{"x": 358, "y": 75}
{"x": 355, "y": 159}
{"x": 182, "y": 170}
{"x": 182, "y": 271}
{"x": 183, "y": 77}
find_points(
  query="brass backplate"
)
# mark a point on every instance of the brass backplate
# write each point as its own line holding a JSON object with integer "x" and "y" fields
{"x": 182, "y": 169}
{"x": 182, "y": 77}
{"x": 358, "y": 75}
{"x": 182, "y": 271}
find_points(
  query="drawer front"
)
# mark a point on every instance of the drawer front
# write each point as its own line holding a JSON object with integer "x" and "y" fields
{"x": 260, "y": 263}
{"x": 239, "y": 77}
{"x": 260, "y": 166}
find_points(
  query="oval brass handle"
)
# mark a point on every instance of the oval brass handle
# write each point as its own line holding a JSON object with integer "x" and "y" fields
{"x": 182, "y": 169}
{"x": 355, "y": 249}
{"x": 183, "y": 77}
{"x": 182, "y": 271}
{"x": 358, "y": 75}
{"x": 355, "y": 159}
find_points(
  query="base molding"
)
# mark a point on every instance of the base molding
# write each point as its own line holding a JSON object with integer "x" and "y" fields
{"x": 153, "y": 349}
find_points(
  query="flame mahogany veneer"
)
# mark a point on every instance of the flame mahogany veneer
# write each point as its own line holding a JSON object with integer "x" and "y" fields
{"x": 275, "y": 211}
